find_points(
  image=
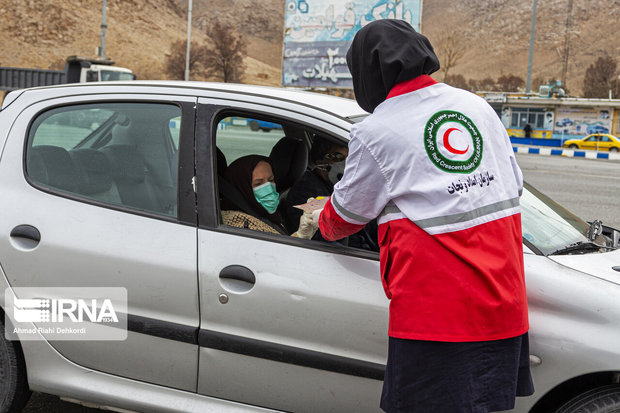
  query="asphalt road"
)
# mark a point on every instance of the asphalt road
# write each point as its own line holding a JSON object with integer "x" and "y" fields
{"x": 588, "y": 188}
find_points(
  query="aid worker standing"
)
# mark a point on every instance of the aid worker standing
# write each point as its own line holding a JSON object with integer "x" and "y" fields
{"x": 435, "y": 165}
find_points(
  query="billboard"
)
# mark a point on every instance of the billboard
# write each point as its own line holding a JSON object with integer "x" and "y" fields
{"x": 318, "y": 33}
{"x": 582, "y": 121}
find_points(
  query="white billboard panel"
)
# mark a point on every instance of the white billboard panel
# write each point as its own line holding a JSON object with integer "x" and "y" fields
{"x": 318, "y": 34}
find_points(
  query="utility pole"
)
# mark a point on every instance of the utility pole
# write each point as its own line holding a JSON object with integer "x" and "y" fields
{"x": 189, "y": 38}
{"x": 530, "y": 58}
{"x": 569, "y": 20}
{"x": 103, "y": 28}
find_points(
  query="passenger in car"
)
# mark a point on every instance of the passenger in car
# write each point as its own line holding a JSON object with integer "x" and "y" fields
{"x": 252, "y": 201}
{"x": 327, "y": 165}
{"x": 327, "y": 160}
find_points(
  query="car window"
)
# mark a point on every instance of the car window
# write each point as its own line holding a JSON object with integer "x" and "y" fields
{"x": 290, "y": 148}
{"x": 67, "y": 127}
{"x": 175, "y": 130}
{"x": 605, "y": 139}
{"x": 120, "y": 154}
{"x": 238, "y": 136}
{"x": 592, "y": 139}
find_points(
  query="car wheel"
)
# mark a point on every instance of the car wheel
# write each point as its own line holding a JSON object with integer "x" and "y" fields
{"x": 254, "y": 125}
{"x": 613, "y": 149}
{"x": 600, "y": 400}
{"x": 573, "y": 146}
{"x": 14, "y": 392}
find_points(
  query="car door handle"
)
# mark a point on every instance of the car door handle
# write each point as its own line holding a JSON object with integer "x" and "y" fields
{"x": 238, "y": 273}
{"x": 26, "y": 231}
{"x": 25, "y": 237}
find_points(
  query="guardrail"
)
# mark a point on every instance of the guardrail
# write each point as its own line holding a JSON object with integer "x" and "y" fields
{"x": 575, "y": 153}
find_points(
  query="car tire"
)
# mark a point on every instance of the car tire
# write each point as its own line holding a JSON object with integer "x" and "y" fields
{"x": 14, "y": 391}
{"x": 254, "y": 126}
{"x": 573, "y": 146}
{"x": 600, "y": 400}
{"x": 613, "y": 149}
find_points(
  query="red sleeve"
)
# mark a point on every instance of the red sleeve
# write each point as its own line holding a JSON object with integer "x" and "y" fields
{"x": 333, "y": 227}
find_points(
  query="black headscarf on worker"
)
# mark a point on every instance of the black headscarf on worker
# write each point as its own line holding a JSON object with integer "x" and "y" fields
{"x": 385, "y": 53}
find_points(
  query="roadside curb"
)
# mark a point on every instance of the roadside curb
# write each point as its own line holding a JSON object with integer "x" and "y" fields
{"x": 567, "y": 152}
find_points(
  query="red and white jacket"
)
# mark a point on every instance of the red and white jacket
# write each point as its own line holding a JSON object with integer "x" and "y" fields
{"x": 435, "y": 166}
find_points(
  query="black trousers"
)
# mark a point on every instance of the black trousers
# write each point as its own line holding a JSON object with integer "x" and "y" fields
{"x": 470, "y": 377}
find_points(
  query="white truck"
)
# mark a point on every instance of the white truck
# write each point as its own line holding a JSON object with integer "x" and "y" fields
{"x": 77, "y": 70}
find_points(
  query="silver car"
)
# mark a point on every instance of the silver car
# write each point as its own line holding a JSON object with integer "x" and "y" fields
{"x": 118, "y": 185}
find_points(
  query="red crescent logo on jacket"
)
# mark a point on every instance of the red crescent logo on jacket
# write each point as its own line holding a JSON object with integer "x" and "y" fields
{"x": 446, "y": 142}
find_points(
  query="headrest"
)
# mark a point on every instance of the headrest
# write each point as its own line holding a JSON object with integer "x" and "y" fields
{"x": 289, "y": 158}
{"x": 127, "y": 163}
{"x": 94, "y": 170}
{"x": 52, "y": 165}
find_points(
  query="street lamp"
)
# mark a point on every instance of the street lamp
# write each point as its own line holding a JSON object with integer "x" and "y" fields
{"x": 531, "y": 54}
{"x": 101, "y": 50}
{"x": 189, "y": 38}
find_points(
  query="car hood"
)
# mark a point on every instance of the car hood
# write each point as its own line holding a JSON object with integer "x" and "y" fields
{"x": 597, "y": 264}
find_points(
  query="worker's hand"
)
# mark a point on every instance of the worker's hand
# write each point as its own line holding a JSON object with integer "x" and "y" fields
{"x": 315, "y": 216}
{"x": 307, "y": 228}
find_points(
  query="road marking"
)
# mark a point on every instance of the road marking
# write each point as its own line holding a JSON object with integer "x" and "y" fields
{"x": 570, "y": 173}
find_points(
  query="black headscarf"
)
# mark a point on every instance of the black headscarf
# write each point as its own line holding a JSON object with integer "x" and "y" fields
{"x": 239, "y": 174}
{"x": 385, "y": 53}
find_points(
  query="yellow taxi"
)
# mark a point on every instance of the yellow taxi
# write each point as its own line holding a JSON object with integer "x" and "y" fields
{"x": 597, "y": 141}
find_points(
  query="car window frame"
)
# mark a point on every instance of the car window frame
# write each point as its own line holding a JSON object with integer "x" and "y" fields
{"x": 209, "y": 214}
{"x": 186, "y": 202}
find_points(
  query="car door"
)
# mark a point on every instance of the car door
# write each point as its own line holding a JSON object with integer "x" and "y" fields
{"x": 605, "y": 143}
{"x": 289, "y": 324}
{"x": 99, "y": 182}
{"x": 591, "y": 142}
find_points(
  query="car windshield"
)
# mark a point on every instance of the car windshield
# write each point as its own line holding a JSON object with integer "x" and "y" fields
{"x": 109, "y": 75}
{"x": 549, "y": 227}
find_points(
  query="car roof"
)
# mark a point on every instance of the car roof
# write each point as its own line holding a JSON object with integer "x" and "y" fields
{"x": 600, "y": 134}
{"x": 342, "y": 107}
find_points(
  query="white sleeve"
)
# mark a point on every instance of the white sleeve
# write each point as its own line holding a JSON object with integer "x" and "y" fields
{"x": 513, "y": 162}
{"x": 362, "y": 193}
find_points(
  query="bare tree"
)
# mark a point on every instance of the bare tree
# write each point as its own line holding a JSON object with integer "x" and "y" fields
{"x": 225, "y": 53}
{"x": 600, "y": 78}
{"x": 175, "y": 62}
{"x": 457, "y": 81}
{"x": 510, "y": 83}
{"x": 487, "y": 85}
{"x": 450, "y": 49}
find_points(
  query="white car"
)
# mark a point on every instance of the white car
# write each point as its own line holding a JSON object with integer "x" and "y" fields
{"x": 119, "y": 185}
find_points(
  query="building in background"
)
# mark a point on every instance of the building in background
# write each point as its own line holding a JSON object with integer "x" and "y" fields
{"x": 554, "y": 119}
{"x": 318, "y": 33}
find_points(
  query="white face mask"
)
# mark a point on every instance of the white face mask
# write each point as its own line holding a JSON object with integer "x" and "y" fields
{"x": 335, "y": 171}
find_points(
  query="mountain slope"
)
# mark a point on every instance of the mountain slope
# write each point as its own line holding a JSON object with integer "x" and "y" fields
{"x": 495, "y": 34}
